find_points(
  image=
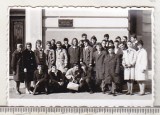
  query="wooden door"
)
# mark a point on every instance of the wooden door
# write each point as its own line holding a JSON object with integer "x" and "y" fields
{"x": 17, "y": 34}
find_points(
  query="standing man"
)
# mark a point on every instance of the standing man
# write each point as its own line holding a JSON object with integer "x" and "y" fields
{"x": 66, "y": 45}
{"x": 81, "y": 46}
{"x": 50, "y": 55}
{"x": 124, "y": 39}
{"x": 98, "y": 58}
{"x": 61, "y": 58}
{"x": 87, "y": 54}
{"x": 111, "y": 70}
{"x": 29, "y": 64}
{"x": 110, "y": 43}
{"x": 134, "y": 42}
{"x": 39, "y": 54}
{"x": 53, "y": 44}
{"x": 106, "y": 37}
{"x": 17, "y": 67}
{"x": 93, "y": 43}
{"x": 84, "y": 36}
{"x": 119, "y": 52}
{"x": 74, "y": 53}
{"x": 118, "y": 38}
{"x": 104, "y": 47}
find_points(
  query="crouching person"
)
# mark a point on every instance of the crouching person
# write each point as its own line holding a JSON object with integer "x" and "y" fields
{"x": 56, "y": 80}
{"x": 86, "y": 81}
{"x": 40, "y": 80}
{"x": 78, "y": 81}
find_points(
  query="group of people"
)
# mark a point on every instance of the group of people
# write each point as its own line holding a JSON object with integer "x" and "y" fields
{"x": 87, "y": 65}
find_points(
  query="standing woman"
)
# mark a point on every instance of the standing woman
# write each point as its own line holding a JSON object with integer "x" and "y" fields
{"x": 129, "y": 60}
{"x": 29, "y": 63}
{"x": 141, "y": 67}
{"x": 17, "y": 67}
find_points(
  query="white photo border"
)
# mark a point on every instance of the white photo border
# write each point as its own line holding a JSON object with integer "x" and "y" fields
{"x": 86, "y": 102}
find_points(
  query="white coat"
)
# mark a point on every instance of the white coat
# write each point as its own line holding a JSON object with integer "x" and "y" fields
{"x": 129, "y": 58}
{"x": 61, "y": 59}
{"x": 141, "y": 65}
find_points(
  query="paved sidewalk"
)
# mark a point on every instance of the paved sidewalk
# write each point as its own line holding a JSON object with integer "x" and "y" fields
{"x": 83, "y": 95}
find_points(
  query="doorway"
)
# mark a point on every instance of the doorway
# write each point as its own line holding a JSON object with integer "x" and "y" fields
{"x": 17, "y": 31}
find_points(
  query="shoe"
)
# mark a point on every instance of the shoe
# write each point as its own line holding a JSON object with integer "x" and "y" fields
{"x": 46, "y": 93}
{"x": 114, "y": 94}
{"x": 127, "y": 93}
{"x": 120, "y": 91}
{"x": 131, "y": 94}
{"x": 73, "y": 91}
{"x": 91, "y": 92}
{"x": 34, "y": 93}
{"x": 18, "y": 92}
{"x": 141, "y": 94}
{"x": 104, "y": 92}
{"x": 110, "y": 93}
{"x": 30, "y": 92}
{"x": 27, "y": 92}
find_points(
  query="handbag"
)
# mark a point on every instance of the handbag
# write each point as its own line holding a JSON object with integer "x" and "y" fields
{"x": 73, "y": 86}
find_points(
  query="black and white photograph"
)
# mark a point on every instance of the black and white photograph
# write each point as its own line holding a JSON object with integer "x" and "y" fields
{"x": 80, "y": 56}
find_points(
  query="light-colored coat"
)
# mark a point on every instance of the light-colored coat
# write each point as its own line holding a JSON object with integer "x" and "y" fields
{"x": 141, "y": 65}
{"x": 61, "y": 59}
{"x": 129, "y": 58}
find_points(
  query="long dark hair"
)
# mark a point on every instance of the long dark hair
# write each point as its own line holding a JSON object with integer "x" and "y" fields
{"x": 76, "y": 41}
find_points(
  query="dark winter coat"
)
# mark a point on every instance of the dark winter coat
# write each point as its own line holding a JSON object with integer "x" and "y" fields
{"x": 40, "y": 56}
{"x": 41, "y": 77}
{"x": 99, "y": 61}
{"x": 111, "y": 69}
{"x": 56, "y": 78}
{"x": 17, "y": 66}
{"x": 87, "y": 55}
{"x": 74, "y": 55}
{"x": 29, "y": 62}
